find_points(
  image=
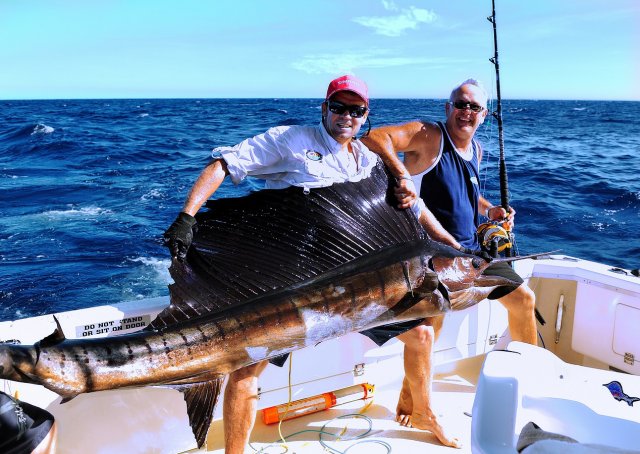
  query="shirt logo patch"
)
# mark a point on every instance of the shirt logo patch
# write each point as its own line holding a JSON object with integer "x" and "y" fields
{"x": 474, "y": 180}
{"x": 313, "y": 155}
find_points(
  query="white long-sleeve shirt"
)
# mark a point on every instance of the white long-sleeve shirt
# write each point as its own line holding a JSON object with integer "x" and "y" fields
{"x": 305, "y": 156}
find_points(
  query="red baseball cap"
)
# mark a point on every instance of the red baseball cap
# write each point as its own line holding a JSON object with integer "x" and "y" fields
{"x": 348, "y": 83}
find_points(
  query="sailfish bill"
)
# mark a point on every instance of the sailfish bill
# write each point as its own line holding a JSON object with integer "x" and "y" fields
{"x": 267, "y": 274}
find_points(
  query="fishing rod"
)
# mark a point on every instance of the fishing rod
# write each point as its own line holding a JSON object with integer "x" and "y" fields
{"x": 492, "y": 234}
{"x": 498, "y": 243}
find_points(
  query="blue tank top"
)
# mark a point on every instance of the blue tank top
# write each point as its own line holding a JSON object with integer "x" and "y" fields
{"x": 450, "y": 190}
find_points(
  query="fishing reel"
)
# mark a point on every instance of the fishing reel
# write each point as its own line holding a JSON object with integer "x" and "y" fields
{"x": 493, "y": 237}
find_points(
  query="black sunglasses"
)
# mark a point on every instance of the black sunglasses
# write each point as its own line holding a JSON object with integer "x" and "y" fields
{"x": 463, "y": 105}
{"x": 354, "y": 111}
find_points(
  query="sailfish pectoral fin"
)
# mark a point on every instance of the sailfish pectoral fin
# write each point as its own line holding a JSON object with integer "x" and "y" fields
{"x": 201, "y": 399}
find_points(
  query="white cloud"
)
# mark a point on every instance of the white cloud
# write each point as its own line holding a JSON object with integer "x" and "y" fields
{"x": 397, "y": 25}
{"x": 350, "y": 62}
{"x": 389, "y": 5}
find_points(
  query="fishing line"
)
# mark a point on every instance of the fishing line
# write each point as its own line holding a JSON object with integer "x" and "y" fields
{"x": 514, "y": 245}
{"x": 339, "y": 436}
{"x": 488, "y": 135}
{"x": 289, "y": 387}
{"x": 358, "y": 437}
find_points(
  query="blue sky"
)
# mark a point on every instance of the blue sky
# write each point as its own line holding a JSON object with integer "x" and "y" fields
{"x": 549, "y": 49}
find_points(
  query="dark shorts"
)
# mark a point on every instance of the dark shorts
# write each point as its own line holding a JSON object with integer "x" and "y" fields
{"x": 381, "y": 334}
{"x": 22, "y": 426}
{"x": 503, "y": 270}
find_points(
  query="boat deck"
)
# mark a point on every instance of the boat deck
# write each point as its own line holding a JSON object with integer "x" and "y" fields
{"x": 454, "y": 387}
{"x": 577, "y": 299}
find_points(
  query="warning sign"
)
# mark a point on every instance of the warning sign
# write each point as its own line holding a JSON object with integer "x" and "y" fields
{"x": 112, "y": 326}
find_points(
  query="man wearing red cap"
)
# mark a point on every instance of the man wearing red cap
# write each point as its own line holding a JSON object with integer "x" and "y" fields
{"x": 304, "y": 156}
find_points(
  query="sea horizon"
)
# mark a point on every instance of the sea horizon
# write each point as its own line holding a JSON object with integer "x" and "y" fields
{"x": 89, "y": 186}
{"x": 301, "y": 98}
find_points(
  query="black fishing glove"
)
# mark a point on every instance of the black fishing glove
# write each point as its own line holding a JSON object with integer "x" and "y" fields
{"x": 179, "y": 236}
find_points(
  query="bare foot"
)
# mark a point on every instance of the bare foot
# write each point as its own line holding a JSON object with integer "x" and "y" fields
{"x": 429, "y": 422}
{"x": 405, "y": 405}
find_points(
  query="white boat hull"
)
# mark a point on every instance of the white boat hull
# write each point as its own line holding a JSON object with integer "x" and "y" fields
{"x": 597, "y": 330}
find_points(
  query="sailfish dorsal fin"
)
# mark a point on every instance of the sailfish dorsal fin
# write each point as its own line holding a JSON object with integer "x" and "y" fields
{"x": 271, "y": 239}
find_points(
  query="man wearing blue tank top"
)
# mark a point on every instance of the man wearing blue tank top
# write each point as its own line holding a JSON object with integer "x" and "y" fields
{"x": 443, "y": 160}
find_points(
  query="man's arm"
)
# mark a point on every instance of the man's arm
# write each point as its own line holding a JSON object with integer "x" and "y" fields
{"x": 381, "y": 141}
{"x": 435, "y": 230}
{"x": 420, "y": 142}
{"x": 387, "y": 142}
{"x": 179, "y": 235}
{"x": 495, "y": 212}
{"x": 207, "y": 183}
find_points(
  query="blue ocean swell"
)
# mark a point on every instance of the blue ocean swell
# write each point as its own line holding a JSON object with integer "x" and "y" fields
{"x": 576, "y": 178}
{"x": 88, "y": 187}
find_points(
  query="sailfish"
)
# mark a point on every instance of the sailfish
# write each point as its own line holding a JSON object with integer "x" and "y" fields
{"x": 267, "y": 274}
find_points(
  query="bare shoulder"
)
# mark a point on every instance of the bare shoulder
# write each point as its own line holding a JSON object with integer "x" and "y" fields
{"x": 426, "y": 137}
{"x": 405, "y": 137}
{"x": 409, "y": 128}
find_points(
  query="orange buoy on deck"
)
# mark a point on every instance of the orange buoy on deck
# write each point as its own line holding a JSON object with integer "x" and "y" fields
{"x": 317, "y": 403}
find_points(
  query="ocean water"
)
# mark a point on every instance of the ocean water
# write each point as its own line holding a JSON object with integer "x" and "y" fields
{"x": 87, "y": 187}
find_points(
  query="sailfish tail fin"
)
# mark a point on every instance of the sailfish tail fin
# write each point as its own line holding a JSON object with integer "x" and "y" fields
{"x": 201, "y": 399}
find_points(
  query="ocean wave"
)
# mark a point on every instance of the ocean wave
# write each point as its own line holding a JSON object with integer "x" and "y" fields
{"x": 272, "y": 109}
{"x": 41, "y": 128}
{"x": 24, "y": 132}
{"x": 160, "y": 267}
{"x": 74, "y": 212}
{"x": 540, "y": 149}
{"x": 153, "y": 194}
{"x": 291, "y": 121}
{"x": 15, "y": 133}
{"x": 624, "y": 201}
{"x": 618, "y": 120}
